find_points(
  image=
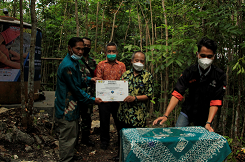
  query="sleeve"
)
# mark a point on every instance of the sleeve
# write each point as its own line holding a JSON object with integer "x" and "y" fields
{"x": 181, "y": 86}
{"x": 74, "y": 86}
{"x": 123, "y": 68}
{"x": 95, "y": 71}
{"x": 149, "y": 87}
{"x": 219, "y": 92}
{"x": 123, "y": 76}
{"x": 99, "y": 71}
{"x": 10, "y": 34}
{"x": 85, "y": 82}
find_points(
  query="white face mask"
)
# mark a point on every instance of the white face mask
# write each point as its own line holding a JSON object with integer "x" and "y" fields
{"x": 138, "y": 66}
{"x": 75, "y": 57}
{"x": 205, "y": 62}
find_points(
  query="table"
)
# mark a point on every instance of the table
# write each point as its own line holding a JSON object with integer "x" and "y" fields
{"x": 173, "y": 144}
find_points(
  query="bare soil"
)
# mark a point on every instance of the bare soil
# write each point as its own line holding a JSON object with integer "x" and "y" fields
{"x": 48, "y": 151}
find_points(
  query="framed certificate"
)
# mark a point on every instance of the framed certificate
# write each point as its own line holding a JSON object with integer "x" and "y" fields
{"x": 111, "y": 90}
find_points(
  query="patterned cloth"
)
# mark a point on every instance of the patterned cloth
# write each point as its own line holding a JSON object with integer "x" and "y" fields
{"x": 85, "y": 72}
{"x": 69, "y": 90}
{"x": 134, "y": 113}
{"x": 106, "y": 71}
{"x": 86, "y": 110}
{"x": 176, "y": 144}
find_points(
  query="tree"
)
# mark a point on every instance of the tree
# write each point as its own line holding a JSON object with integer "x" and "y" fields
{"x": 31, "y": 62}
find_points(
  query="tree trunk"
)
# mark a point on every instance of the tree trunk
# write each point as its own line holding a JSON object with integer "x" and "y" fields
{"x": 96, "y": 33}
{"x": 31, "y": 61}
{"x": 114, "y": 19}
{"x": 166, "y": 72}
{"x": 140, "y": 28}
{"x": 129, "y": 21}
{"x": 77, "y": 21}
{"x": 233, "y": 112}
{"x": 237, "y": 121}
{"x": 52, "y": 65}
{"x": 156, "y": 62}
{"x": 227, "y": 93}
{"x": 147, "y": 28}
{"x": 61, "y": 30}
{"x": 22, "y": 83}
{"x": 86, "y": 19}
{"x": 162, "y": 84}
{"x": 102, "y": 22}
{"x": 152, "y": 28}
{"x": 146, "y": 42}
{"x": 149, "y": 40}
{"x": 243, "y": 129}
{"x": 152, "y": 54}
{"x": 14, "y": 8}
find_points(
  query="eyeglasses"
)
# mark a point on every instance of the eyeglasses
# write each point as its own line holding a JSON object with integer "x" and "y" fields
{"x": 208, "y": 56}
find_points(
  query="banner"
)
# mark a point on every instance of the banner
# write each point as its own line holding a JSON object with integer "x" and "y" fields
{"x": 10, "y": 52}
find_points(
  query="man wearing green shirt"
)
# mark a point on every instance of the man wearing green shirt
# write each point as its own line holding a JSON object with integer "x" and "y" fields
{"x": 87, "y": 67}
{"x": 69, "y": 98}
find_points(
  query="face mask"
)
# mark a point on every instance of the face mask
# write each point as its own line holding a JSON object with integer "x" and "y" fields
{"x": 205, "y": 62}
{"x": 138, "y": 66}
{"x": 86, "y": 51}
{"x": 111, "y": 57}
{"x": 75, "y": 57}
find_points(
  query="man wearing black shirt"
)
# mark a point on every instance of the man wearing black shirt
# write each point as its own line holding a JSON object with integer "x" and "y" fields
{"x": 206, "y": 84}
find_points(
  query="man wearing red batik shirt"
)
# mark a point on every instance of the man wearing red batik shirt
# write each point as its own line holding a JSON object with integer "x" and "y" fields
{"x": 109, "y": 69}
{"x": 206, "y": 84}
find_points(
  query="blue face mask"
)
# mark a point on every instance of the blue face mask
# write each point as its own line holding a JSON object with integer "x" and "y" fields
{"x": 111, "y": 57}
{"x": 75, "y": 57}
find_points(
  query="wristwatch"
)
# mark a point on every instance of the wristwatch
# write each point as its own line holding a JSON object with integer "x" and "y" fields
{"x": 209, "y": 123}
{"x": 136, "y": 99}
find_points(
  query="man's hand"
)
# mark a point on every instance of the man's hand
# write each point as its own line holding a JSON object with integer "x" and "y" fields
{"x": 129, "y": 99}
{"x": 15, "y": 57}
{"x": 3, "y": 57}
{"x": 162, "y": 119}
{"x": 98, "y": 101}
{"x": 96, "y": 78}
{"x": 209, "y": 128}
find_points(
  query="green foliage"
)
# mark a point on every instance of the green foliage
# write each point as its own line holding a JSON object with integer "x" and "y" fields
{"x": 235, "y": 149}
{"x": 187, "y": 22}
{"x": 240, "y": 65}
{"x": 152, "y": 100}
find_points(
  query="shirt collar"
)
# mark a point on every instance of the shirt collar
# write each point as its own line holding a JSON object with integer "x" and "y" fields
{"x": 141, "y": 72}
{"x": 107, "y": 61}
{"x": 200, "y": 71}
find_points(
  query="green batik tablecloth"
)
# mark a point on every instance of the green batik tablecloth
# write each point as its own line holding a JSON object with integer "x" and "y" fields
{"x": 174, "y": 144}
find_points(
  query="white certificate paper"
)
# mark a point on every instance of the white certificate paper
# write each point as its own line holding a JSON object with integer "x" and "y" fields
{"x": 111, "y": 90}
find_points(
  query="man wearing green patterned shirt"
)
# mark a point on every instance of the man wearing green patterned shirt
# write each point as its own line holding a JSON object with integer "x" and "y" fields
{"x": 132, "y": 112}
{"x": 87, "y": 67}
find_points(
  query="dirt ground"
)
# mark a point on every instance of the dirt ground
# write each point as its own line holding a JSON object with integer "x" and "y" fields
{"x": 48, "y": 151}
{"x": 96, "y": 154}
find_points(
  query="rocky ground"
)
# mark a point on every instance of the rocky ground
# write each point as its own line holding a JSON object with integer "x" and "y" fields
{"x": 38, "y": 144}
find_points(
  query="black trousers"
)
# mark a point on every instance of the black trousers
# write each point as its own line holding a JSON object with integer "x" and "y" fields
{"x": 85, "y": 113}
{"x": 105, "y": 109}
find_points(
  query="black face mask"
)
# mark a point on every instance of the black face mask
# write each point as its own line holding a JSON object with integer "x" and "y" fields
{"x": 86, "y": 51}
